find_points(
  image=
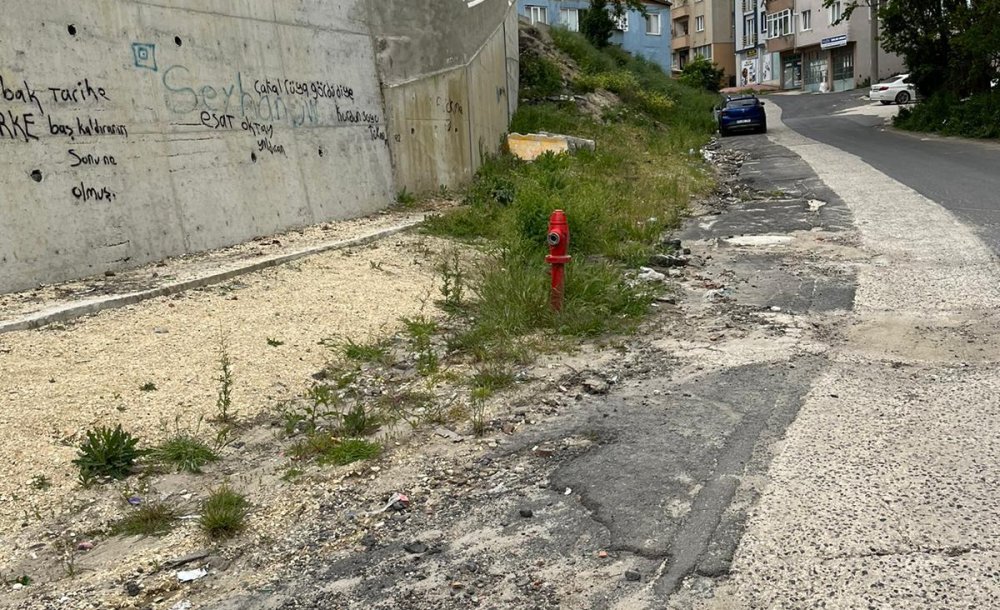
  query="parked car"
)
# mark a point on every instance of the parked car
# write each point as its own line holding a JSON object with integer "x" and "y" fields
{"x": 742, "y": 113}
{"x": 897, "y": 89}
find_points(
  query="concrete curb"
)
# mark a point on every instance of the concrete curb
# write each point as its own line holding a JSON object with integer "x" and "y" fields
{"x": 70, "y": 311}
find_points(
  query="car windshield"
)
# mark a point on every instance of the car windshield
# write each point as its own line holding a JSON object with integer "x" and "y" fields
{"x": 745, "y": 102}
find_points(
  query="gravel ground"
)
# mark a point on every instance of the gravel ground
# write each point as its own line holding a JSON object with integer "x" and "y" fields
{"x": 57, "y": 382}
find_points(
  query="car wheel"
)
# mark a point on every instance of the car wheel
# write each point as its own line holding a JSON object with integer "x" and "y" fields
{"x": 903, "y": 97}
{"x": 886, "y": 102}
{"x": 723, "y": 132}
{"x": 763, "y": 128}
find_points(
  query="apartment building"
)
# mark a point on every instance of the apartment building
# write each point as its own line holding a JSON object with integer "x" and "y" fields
{"x": 645, "y": 35}
{"x": 753, "y": 64}
{"x": 704, "y": 28}
{"x": 805, "y": 48}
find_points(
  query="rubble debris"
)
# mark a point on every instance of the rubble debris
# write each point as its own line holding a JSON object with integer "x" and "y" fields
{"x": 191, "y": 575}
{"x": 532, "y": 145}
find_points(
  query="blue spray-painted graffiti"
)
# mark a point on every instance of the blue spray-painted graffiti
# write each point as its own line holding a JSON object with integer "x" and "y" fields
{"x": 144, "y": 55}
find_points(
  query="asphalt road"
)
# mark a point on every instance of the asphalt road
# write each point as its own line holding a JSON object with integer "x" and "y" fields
{"x": 961, "y": 175}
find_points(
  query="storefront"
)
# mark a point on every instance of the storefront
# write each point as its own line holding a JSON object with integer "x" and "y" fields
{"x": 791, "y": 71}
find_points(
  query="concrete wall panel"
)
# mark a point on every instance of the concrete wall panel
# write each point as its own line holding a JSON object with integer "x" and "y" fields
{"x": 134, "y": 130}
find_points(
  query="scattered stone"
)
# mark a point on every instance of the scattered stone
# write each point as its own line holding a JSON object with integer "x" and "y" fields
{"x": 593, "y": 385}
{"x": 527, "y": 513}
{"x": 132, "y": 588}
{"x": 86, "y": 545}
{"x": 109, "y": 274}
{"x": 160, "y": 330}
{"x": 632, "y": 575}
{"x": 667, "y": 260}
{"x": 449, "y": 434}
{"x": 602, "y": 554}
{"x": 543, "y": 451}
{"x": 415, "y": 548}
{"x": 650, "y": 275}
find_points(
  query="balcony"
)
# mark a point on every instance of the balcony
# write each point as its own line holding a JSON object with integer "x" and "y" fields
{"x": 680, "y": 9}
{"x": 781, "y": 43}
{"x": 680, "y": 42}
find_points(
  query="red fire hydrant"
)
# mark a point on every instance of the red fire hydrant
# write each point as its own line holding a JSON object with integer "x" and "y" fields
{"x": 558, "y": 246}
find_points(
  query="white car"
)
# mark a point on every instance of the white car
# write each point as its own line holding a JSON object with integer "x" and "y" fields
{"x": 896, "y": 89}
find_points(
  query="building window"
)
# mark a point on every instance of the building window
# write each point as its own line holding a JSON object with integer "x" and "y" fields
{"x": 779, "y": 24}
{"x": 749, "y": 32}
{"x": 570, "y": 19}
{"x": 538, "y": 14}
{"x": 836, "y": 12}
{"x": 653, "y": 25}
{"x": 621, "y": 22}
{"x": 807, "y": 20}
{"x": 699, "y": 23}
{"x": 703, "y": 51}
{"x": 749, "y": 6}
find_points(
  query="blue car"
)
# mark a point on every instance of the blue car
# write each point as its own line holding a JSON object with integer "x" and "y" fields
{"x": 742, "y": 113}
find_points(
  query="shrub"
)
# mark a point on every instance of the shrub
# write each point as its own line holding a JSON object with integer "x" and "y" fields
{"x": 975, "y": 117}
{"x": 107, "y": 452}
{"x": 701, "y": 73}
{"x": 540, "y": 76}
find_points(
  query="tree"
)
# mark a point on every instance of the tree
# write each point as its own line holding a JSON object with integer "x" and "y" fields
{"x": 702, "y": 74}
{"x": 598, "y": 22}
{"x": 950, "y": 46}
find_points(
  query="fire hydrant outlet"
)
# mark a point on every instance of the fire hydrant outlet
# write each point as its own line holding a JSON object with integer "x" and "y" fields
{"x": 558, "y": 240}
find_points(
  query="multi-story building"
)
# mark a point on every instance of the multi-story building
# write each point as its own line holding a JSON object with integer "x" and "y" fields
{"x": 753, "y": 66}
{"x": 704, "y": 28}
{"x": 644, "y": 35}
{"x": 807, "y": 48}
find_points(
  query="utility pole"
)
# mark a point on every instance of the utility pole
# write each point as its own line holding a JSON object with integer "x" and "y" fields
{"x": 873, "y": 6}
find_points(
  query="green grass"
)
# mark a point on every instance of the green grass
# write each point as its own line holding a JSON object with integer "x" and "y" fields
{"x": 153, "y": 519}
{"x": 327, "y": 448}
{"x": 619, "y": 200}
{"x": 184, "y": 452}
{"x": 377, "y": 351}
{"x": 224, "y": 513}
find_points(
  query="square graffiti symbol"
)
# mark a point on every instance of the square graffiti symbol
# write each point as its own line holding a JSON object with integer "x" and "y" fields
{"x": 144, "y": 55}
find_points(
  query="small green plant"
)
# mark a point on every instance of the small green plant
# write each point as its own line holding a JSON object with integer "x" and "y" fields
{"x": 184, "y": 452}
{"x": 292, "y": 474}
{"x": 107, "y": 452}
{"x": 421, "y": 331}
{"x": 24, "y": 580}
{"x": 274, "y": 342}
{"x": 40, "y": 482}
{"x": 224, "y": 402}
{"x": 149, "y": 386}
{"x": 452, "y": 282}
{"x": 377, "y": 351}
{"x": 478, "y": 411}
{"x": 358, "y": 421}
{"x": 152, "y": 519}
{"x": 491, "y": 379}
{"x": 376, "y": 266}
{"x": 224, "y": 513}
{"x": 405, "y": 197}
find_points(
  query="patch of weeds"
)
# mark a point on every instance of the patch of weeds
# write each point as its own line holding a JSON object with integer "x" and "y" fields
{"x": 107, "y": 453}
{"x": 491, "y": 379}
{"x": 540, "y": 76}
{"x": 152, "y": 519}
{"x": 24, "y": 580}
{"x": 358, "y": 421}
{"x": 149, "y": 386}
{"x": 274, "y": 342}
{"x": 40, "y": 482}
{"x": 421, "y": 332}
{"x": 452, "y": 282}
{"x": 377, "y": 351}
{"x": 224, "y": 402}
{"x": 405, "y": 197}
{"x": 184, "y": 452}
{"x": 327, "y": 448}
{"x": 349, "y": 451}
{"x": 376, "y": 266}
{"x": 224, "y": 513}
{"x": 292, "y": 474}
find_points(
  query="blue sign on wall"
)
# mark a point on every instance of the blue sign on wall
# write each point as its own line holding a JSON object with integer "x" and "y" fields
{"x": 833, "y": 42}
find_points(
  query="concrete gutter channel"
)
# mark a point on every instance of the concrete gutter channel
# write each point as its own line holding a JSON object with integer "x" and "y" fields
{"x": 75, "y": 309}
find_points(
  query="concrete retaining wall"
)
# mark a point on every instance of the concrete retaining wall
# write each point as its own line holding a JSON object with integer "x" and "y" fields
{"x": 131, "y": 131}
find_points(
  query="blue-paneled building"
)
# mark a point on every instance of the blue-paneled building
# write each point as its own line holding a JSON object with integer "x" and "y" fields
{"x": 643, "y": 35}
